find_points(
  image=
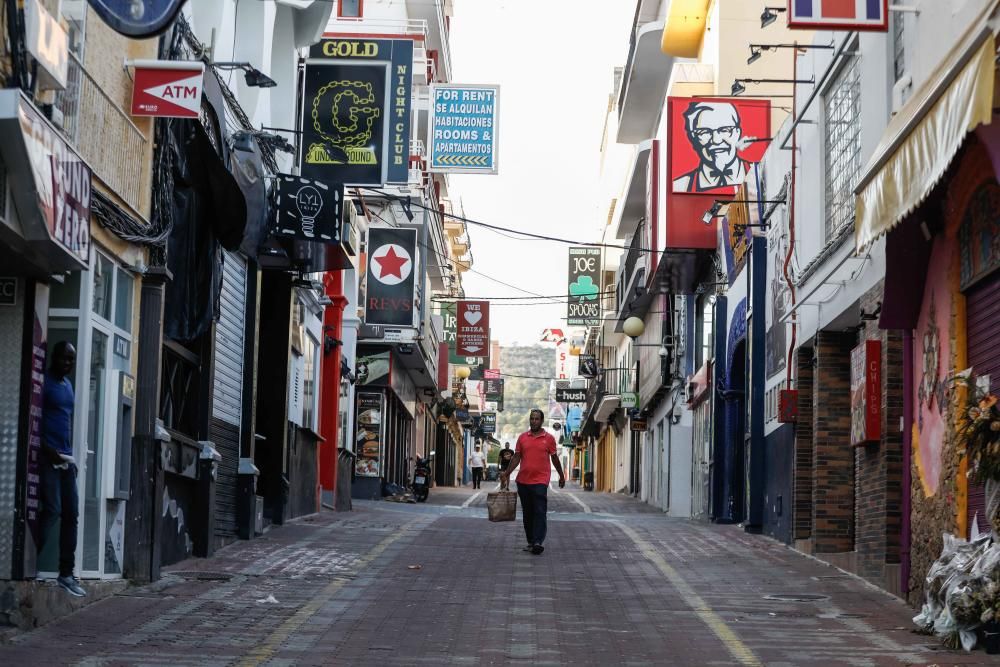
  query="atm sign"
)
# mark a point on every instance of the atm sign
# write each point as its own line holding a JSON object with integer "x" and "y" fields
{"x": 167, "y": 88}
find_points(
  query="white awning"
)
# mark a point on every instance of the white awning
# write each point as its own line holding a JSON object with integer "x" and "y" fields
{"x": 922, "y": 139}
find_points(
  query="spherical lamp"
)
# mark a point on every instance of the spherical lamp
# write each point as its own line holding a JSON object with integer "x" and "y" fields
{"x": 633, "y": 327}
{"x": 463, "y": 372}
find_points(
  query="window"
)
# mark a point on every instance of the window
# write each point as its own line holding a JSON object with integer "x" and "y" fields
{"x": 703, "y": 330}
{"x": 350, "y": 9}
{"x": 310, "y": 366}
{"x": 842, "y": 106}
{"x": 123, "y": 300}
{"x": 103, "y": 286}
{"x": 75, "y": 14}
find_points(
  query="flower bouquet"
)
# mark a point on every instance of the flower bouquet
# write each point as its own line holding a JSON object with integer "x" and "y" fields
{"x": 978, "y": 431}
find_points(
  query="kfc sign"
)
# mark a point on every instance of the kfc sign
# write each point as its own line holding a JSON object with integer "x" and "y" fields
{"x": 714, "y": 142}
{"x": 167, "y": 88}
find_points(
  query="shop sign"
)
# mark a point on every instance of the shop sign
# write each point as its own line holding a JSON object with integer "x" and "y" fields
{"x": 356, "y": 111}
{"x": 308, "y": 210}
{"x": 872, "y": 15}
{"x": 448, "y": 313}
{"x": 583, "y": 302}
{"x": 167, "y": 88}
{"x": 47, "y": 42}
{"x": 390, "y": 286}
{"x": 491, "y": 374}
{"x": 488, "y": 422}
{"x": 630, "y": 399}
{"x": 571, "y": 395}
{"x": 788, "y": 406}
{"x": 637, "y": 425}
{"x": 588, "y": 366}
{"x": 32, "y": 489}
{"x": 61, "y": 181}
{"x": 493, "y": 389}
{"x": 369, "y": 440}
{"x": 373, "y": 369}
{"x": 463, "y": 129}
{"x": 8, "y": 291}
{"x": 866, "y": 392}
{"x": 472, "y": 337}
{"x": 137, "y": 18}
{"x": 122, "y": 347}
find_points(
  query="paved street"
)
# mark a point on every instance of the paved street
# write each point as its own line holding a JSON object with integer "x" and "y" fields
{"x": 436, "y": 584}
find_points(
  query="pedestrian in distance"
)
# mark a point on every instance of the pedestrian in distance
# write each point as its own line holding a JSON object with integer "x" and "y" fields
{"x": 506, "y": 454}
{"x": 534, "y": 450}
{"x": 477, "y": 461}
{"x": 58, "y": 468}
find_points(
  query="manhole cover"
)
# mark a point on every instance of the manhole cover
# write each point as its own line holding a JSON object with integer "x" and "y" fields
{"x": 203, "y": 576}
{"x": 796, "y": 597}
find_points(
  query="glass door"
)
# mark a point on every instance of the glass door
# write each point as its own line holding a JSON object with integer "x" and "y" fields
{"x": 92, "y": 487}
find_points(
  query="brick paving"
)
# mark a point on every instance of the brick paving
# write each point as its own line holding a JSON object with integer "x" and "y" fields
{"x": 618, "y": 584}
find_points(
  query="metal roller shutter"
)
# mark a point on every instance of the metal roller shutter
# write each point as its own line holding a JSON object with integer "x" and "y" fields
{"x": 983, "y": 322}
{"x": 226, "y": 439}
{"x": 228, "y": 390}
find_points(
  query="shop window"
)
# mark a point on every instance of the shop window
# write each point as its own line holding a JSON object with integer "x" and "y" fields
{"x": 310, "y": 365}
{"x": 350, "y": 9}
{"x": 842, "y": 106}
{"x": 103, "y": 286}
{"x": 123, "y": 300}
{"x": 66, "y": 294}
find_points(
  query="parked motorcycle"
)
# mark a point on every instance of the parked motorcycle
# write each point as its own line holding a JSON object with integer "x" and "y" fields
{"x": 422, "y": 478}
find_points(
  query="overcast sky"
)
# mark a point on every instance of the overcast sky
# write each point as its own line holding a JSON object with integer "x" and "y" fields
{"x": 554, "y": 61}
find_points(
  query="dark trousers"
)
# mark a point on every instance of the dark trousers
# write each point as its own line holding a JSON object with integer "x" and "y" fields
{"x": 60, "y": 505}
{"x": 477, "y": 477}
{"x": 534, "y": 505}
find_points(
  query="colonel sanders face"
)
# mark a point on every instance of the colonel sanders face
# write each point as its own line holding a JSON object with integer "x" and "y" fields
{"x": 714, "y": 131}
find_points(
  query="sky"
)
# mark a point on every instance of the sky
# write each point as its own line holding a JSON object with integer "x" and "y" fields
{"x": 554, "y": 61}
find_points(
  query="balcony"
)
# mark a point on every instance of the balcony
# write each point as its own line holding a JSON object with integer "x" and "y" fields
{"x": 413, "y": 28}
{"x": 435, "y": 16}
{"x": 104, "y": 135}
{"x": 630, "y": 280}
{"x": 633, "y": 204}
{"x": 644, "y": 83}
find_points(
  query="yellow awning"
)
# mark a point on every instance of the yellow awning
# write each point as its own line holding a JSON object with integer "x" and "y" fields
{"x": 684, "y": 28}
{"x": 923, "y": 137}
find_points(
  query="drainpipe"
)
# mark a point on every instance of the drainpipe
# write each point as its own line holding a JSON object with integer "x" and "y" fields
{"x": 904, "y": 548}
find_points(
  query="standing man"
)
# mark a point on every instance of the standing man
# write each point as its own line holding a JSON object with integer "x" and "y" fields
{"x": 535, "y": 448}
{"x": 506, "y": 454}
{"x": 59, "y": 496}
{"x": 477, "y": 461}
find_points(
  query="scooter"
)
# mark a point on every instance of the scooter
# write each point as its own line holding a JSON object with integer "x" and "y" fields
{"x": 422, "y": 478}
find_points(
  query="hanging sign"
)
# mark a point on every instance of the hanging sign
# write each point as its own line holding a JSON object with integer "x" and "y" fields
{"x": 356, "y": 111}
{"x": 463, "y": 129}
{"x": 839, "y": 15}
{"x": 493, "y": 389}
{"x": 137, "y": 18}
{"x": 307, "y": 209}
{"x": 866, "y": 392}
{"x": 472, "y": 338}
{"x": 571, "y": 395}
{"x": 588, "y": 366}
{"x": 584, "y": 287}
{"x": 488, "y": 422}
{"x": 447, "y": 310}
{"x": 630, "y": 399}
{"x": 638, "y": 425}
{"x": 390, "y": 285}
{"x": 167, "y": 88}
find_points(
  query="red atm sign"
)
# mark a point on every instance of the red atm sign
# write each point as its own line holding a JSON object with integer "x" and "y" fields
{"x": 167, "y": 88}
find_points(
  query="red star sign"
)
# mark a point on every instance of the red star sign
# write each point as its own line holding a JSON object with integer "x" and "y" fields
{"x": 391, "y": 264}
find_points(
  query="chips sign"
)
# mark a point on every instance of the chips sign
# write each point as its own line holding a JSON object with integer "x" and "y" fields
{"x": 472, "y": 337}
{"x": 584, "y": 287}
{"x": 571, "y": 395}
{"x": 463, "y": 129}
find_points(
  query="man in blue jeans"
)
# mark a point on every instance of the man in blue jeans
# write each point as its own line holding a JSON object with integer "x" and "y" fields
{"x": 59, "y": 495}
{"x": 535, "y": 448}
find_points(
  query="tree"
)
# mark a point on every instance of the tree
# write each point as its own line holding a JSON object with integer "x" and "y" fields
{"x": 521, "y": 366}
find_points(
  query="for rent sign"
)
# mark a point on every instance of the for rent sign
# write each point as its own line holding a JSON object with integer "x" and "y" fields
{"x": 463, "y": 129}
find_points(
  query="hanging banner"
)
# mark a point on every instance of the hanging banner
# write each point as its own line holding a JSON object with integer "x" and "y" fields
{"x": 866, "y": 392}
{"x": 839, "y": 15}
{"x": 472, "y": 338}
{"x": 307, "y": 209}
{"x": 493, "y": 389}
{"x": 588, "y": 366}
{"x": 390, "y": 285}
{"x": 356, "y": 111}
{"x": 584, "y": 287}
{"x": 167, "y": 88}
{"x": 369, "y": 440}
{"x": 448, "y": 311}
{"x": 463, "y": 129}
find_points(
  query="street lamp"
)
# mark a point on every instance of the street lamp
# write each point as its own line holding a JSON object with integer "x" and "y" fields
{"x": 253, "y": 77}
{"x": 756, "y": 49}
{"x": 769, "y": 15}
{"x": 738, "y": 88}
{"x": 463, "y": 372}
{"x": 633, "y": 327}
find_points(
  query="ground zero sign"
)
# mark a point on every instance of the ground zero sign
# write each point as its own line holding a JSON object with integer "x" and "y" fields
{"x": 463, "y": 129}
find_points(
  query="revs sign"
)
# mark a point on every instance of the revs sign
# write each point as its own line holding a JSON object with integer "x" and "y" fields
{"x": 472, "y": 338}
{"x": 389, "y": 296}
{"x": 167, "y": 88}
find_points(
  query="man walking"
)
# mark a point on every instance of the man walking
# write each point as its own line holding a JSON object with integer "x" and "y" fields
{"x": 534, "y": 449}
{"x": 477, "y": 461}
{"x": 59, "y": 495}
{"x": 506, "y": 454}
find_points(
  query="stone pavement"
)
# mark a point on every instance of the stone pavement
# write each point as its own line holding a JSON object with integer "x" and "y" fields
{"x": 438, "y": 584}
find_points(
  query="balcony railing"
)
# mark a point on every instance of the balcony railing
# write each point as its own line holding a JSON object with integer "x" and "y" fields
{"x": 629, "y": 260}
{"x": 104, "y": 135}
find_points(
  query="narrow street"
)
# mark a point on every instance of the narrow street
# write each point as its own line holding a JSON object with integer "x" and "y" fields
{"x": 396, "y": 584}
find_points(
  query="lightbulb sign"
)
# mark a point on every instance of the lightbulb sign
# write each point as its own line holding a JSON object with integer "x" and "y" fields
{"x": 308, "y": 210}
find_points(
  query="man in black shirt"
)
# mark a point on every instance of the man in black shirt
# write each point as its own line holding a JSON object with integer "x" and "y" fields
{"x": 506, "y": 454}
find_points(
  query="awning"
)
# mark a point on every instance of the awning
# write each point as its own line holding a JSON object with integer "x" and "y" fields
{"x": 921, "y": 140}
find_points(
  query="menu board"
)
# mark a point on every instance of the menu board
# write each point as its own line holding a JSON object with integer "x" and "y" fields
{"x": 369, "y": 440}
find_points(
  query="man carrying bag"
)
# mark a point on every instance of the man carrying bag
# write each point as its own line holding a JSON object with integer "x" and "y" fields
{"x": 535, "y": 448}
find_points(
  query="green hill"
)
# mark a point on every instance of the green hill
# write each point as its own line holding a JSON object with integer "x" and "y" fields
{"x": 521, "y": 394}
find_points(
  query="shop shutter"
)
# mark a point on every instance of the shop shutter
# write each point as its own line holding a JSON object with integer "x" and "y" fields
{"x": 228, "y": 389}
{"x": 226, "y": 439}
{"x": 983, "y": 319}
